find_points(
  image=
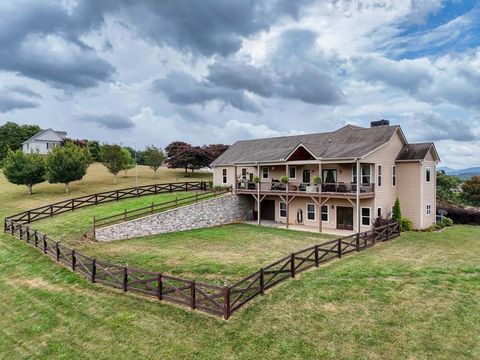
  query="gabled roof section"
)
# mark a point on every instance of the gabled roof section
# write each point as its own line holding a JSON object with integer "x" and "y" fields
{"x": 61, "y": 134}
{"x": 348, "y": 142}
{"x": 300, "y": 152}
{"x": 417, "y": 152}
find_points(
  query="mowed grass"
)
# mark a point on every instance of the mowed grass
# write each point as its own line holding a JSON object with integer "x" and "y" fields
{"x": 219, "y": 254}
{"x": 416, "y": 297}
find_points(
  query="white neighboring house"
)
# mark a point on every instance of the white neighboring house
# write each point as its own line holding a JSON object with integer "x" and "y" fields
{"x": 43, "y": 141}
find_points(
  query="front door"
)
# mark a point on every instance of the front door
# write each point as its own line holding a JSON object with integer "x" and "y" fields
{"x": 344, "y": 218}
{"x": 267, "y": 208}
{"x": 306, "y": 176}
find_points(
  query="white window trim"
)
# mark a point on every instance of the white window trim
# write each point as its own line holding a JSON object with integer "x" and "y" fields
{"x": 263, "y": 172}
{"x": 292, "y": 166}
{"x": 361, "y": 175}
{"x": 394, "y": 175}
{"x": 280, "y": 210}
{"x": 244, "y": 177}
{"x": 314, "y": 211}
{"x": 328, "y": 213}
{"x": 369, "y": 218}
{"x": 428, "y": 210}
{"x": 379, "y": 175}
{"x": 224, "y": 176}
{"x": 428, "y": 169}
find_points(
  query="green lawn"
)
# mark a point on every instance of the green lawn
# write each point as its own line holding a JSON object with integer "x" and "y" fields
{"x": 416, "y": 297}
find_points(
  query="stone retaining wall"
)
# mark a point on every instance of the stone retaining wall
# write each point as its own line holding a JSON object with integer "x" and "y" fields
{"x": 219, "y": 211}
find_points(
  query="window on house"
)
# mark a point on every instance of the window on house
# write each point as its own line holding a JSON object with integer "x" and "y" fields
{"x": 224, "y": 176}
{"x": 244, "y": 174}
{"x": 264, "y": 172}
{"x": 379, "y": 212}
{"x": 292, "y": 172}
{"x": 366, "y": 174}
{"x": 428, "y": 174}
{"x": 325, "y": 213}
{"x": 394, "y": 175}
{"x": 379, "y": 175}
{"x": 283, "y": 210}
{"x": 310, "y": 211}
{"x": 366, "y": 216}
{"x": 429, "y": 209}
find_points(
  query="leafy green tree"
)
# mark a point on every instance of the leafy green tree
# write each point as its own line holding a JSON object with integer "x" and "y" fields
{"x": 113, "y": 159}
{"x": 94, "y": 150}
{"x": 471, "y": 191}
{"x": 154, "y": 157}
{"x": 67, "y": 163}
{"x": 24, "y": 169}
{"x": 446, "y": 186}
{"x": 397, "y": 211}
{"x": 129, "y": 162}
{"x": 13, "y": 135}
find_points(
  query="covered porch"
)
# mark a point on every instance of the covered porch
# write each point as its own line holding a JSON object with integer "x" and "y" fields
{"x": 297, "y": 227}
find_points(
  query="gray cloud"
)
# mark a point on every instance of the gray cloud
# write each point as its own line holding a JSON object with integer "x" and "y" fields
{"x": 113, "y": 121}
{"x": 409, "y": 75}
{"x": 182, "y": 88}
{"x": 42, "y": 41}
{"x": 9, "y": 103}
{"x": 430, "y": 126}
{"x": 23, "y": 90}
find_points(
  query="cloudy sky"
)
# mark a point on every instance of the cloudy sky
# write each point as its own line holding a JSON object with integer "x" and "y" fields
{"x": 210, "y": 71}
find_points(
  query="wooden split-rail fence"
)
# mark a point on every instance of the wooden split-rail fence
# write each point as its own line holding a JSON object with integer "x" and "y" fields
{"x": 217, "y": 300}
{"x": 153, "y": 208}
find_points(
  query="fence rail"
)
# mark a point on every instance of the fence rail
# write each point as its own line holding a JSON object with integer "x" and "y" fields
{"x": 51, "y": 210}
{"x": 217, "y": 300}
{"x": 154, "y": 208}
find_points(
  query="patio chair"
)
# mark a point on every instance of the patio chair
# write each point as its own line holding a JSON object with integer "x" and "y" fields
{"x": 342, "y": 188}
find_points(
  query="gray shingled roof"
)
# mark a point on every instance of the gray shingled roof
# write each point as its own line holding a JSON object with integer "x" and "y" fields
{"x": 347, "y": 142}
{"x": 61, "y": 134}
{"x": 413, "y": 152}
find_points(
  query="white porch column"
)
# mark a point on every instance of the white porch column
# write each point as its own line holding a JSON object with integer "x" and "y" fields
{"x": 258, "y": 195}
{"x": 359, "y": 171}
{"x": 234, "y": 179}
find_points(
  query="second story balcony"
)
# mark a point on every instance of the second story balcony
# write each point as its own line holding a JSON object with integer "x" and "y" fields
{"x": 337, "y": 189}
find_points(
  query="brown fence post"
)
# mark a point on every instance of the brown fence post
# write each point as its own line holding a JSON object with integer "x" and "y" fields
{"x": 28, "y": 234}
{"x": 226, "y": 303}
{"x": 152, "y": 207}
{"x": 262, "y": 281}
{"x": 125, "y": 278}
{"x": 292, "y": 265}
{"x": 125, "y": 215}
{"x": 35, "y": 238}
{"x": 159, "y": 287}
{"x": 20, "y": 231}
{"x": 74, "y": 260}
{"x": 317, "y": 262}
{"x": 44, "y": 243}
{"x": 57, "y": 251}
{"x": 339, "y": 248}
{"x": 12, "y": 227}
{"x": 357, "y": 241}
{"x": 94, "y": 270}
{"x": 28, "y": 216}
{"x": 96, "y": 199}
{"x": 51, "y": 210}
{"x": 192, "y": 294}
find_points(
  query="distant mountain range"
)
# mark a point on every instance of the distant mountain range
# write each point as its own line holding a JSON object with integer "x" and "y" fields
{"x": 462, "y": 173}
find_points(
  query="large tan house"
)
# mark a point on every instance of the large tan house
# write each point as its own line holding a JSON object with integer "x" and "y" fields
{"x": 343, "y": 179}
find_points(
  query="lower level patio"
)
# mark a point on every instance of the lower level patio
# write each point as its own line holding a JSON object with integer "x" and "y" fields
{"x": 301, "y": 227}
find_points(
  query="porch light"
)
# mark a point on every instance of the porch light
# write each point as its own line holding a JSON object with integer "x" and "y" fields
{"x": 333, "y": 207}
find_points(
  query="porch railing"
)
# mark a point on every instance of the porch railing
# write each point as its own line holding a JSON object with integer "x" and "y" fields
{"x": 338, "y": 187}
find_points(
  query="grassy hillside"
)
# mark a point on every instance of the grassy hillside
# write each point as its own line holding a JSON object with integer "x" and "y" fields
{"x": 416, "y": 297}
